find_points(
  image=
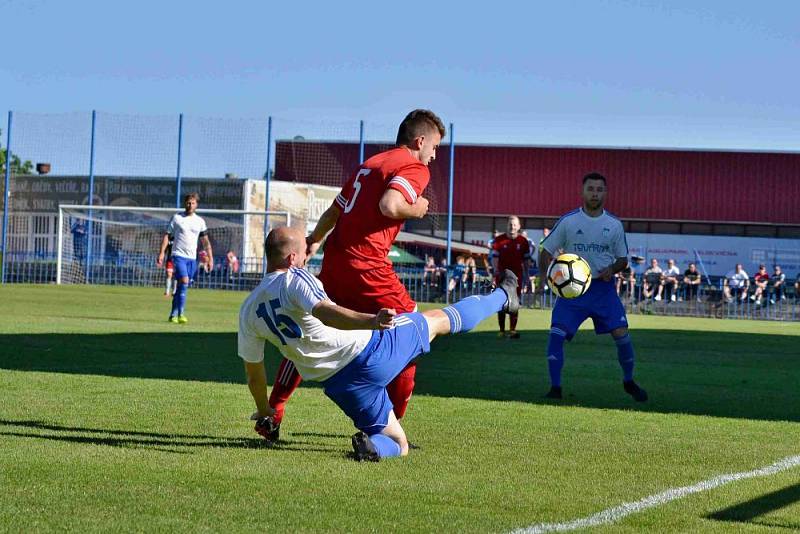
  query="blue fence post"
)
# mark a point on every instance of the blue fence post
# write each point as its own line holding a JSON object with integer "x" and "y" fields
{"x": 6, "y": 198}
{"x": 361, "y": 141}
{"x": 267, "y": 179}
{"x": 450, "y": 205}
{"x": 89, "y": 227}
{"x": 178, "y": 171}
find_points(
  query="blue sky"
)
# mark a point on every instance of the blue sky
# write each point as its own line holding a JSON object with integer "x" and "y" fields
{"x": 610, "y": 73}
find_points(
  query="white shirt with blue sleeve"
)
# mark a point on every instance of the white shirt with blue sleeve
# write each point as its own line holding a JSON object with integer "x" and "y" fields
{"x": 279, "y": 310}
{"x": 599, "y": 240}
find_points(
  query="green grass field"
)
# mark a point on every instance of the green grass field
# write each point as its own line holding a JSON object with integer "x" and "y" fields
{"x": 113, "y": 419}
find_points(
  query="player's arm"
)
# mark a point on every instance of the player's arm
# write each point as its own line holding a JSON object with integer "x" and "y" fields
{"x": 325, "y": 224}
{"x": 346, "y": 319}
{"x": 395, "y": 206}
{"x": 207, "y": 247}
{"x": 619, "y": 264}
{"x": 544, "y": 264}
{"x": 257, "y": 383}
{"x": 162, "y": 250}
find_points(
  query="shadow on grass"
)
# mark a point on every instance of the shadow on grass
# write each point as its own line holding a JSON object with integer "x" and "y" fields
{"x": 752, "y": 510}
{"x": 173, "y": 443}
{"x": 752, "y": 376}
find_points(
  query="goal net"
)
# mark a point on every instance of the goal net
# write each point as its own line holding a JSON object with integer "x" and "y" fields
{"x": 120, "y": 244}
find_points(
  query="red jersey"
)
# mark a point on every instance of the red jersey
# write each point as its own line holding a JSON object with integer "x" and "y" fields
{"x": 356, "y": 270}
{"x": 363, "y": 235}
{"x": 510, "y": 253}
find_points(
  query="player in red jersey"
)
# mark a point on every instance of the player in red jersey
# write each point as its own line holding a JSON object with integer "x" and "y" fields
{"x": 511, "y": 251}
{"x": 365, "y": 218}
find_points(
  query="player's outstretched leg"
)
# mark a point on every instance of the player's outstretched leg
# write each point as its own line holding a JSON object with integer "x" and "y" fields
{"x": 465, "y": 314}
{"x": 626, "y": 360}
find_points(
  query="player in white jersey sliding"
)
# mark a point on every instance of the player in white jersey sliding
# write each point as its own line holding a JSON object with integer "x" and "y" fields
{"x": 184, "y": 230}
{"x": 598, "y": 237}
{"x": 354, "y": 355}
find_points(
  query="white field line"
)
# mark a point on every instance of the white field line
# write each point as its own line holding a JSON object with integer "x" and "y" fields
{"x": 616, "y": 513}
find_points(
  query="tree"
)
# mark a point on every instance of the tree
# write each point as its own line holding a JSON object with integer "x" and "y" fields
{"x": 17, "y": 165}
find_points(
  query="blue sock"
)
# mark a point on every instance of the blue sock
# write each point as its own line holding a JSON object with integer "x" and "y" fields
{"x": 179, "y": 300}
{"x": 625, "y": 356}
{"x": 176, "y": 299}
{"x": 555, "y": 355}
{"x": 386, "y": 446}
{"x": 467, "y": 313}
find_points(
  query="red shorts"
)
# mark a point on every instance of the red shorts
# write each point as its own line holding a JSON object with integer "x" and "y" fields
{"x": 170, "y": 266}
{"x": 366, "y": 291}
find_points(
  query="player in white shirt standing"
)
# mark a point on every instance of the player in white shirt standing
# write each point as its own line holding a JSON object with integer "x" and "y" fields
{"x": 184, "y": 231}
{"x": 354, "y": 355}
{"x": 598, "y": 237}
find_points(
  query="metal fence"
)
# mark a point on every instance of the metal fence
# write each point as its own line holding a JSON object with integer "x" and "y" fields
{"x": 95, "y": 149}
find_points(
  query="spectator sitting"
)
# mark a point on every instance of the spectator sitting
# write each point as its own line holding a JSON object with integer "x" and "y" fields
{"x": 691, "y": 282}
{"x": 736, "y": 284}
{"x": 797, "y": 287}
{"x": 778, "y": 285}
{"x": 670, "y": 280}
{"x": 626, "y": 281}
{"x": 652, "y": 281}
{"x": 761, "y": 279}
{"x": 471, "y": 274}
{"x": 459, "y": 274}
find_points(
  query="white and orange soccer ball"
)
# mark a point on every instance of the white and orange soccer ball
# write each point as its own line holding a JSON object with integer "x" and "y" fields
{"x": 569, "y": 276}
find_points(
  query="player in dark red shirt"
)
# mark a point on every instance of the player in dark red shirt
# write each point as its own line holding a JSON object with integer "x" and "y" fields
{"x": 365, "y": 218}
{"x": 511, "y": 251}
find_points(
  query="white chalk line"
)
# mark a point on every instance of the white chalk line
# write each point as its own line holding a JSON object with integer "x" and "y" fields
{"x": 611, "y": 515}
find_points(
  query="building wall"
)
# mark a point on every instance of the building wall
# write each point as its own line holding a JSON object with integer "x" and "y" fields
{"x": 647, "y": 184}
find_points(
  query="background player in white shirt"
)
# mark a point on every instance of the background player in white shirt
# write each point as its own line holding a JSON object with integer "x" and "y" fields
{"x": 354, "y": 355}
{"x": 599, "y": 238}
{"x": 184, "y": 231}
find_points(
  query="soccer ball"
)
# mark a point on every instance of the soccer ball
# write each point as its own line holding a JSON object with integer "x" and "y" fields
{"x": 569, "y": 276}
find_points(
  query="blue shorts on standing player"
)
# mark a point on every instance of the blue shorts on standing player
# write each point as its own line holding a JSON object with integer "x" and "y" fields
{"x": 600, "y": 303}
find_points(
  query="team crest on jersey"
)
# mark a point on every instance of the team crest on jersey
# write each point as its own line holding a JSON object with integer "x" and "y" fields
{"x": 579, "y": 232}
{"x": 606, "y": 231}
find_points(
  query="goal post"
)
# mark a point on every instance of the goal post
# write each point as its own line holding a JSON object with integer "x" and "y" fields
{"x": 125, "y": 241}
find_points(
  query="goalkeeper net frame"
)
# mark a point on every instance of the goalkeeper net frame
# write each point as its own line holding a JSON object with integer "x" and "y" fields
{"x": 119, "y": 244}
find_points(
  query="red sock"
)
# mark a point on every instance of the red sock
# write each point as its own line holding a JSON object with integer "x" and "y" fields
{"x": 501, "y": 320}
{"x": 513, "y": 320}
{"x": 401, "y": 388}
{"x": 286, "y": 381}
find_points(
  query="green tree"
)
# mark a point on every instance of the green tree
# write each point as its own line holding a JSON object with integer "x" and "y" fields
{"x": 17, "y": 165}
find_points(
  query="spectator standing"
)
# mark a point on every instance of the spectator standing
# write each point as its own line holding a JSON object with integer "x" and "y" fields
{"x": 78, "y": 230}
{"x": 691, "y": 282}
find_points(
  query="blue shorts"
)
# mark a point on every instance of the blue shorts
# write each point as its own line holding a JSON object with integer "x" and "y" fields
{"x": 601, "y": 303}
{"x": 184, "y": 267}
{"x": 359, "y": 389}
